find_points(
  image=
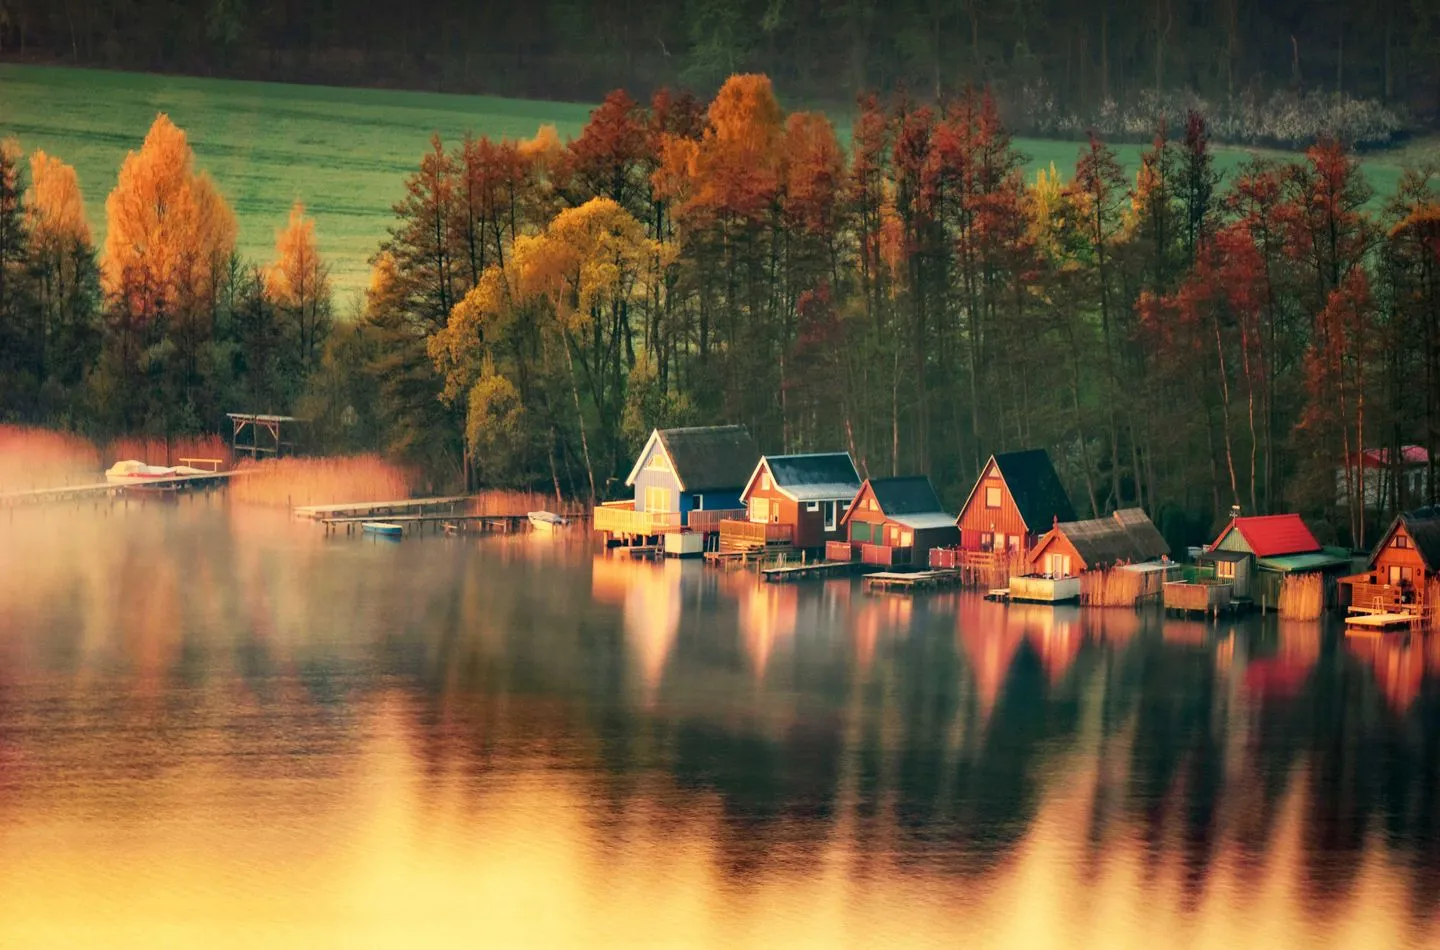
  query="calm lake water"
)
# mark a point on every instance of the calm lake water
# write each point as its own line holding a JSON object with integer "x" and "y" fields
{"x": 219, "y": 729}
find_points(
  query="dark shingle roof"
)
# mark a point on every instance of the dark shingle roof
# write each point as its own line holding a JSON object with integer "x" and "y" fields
{"x": 1423, "y": 526}
{"x": 907, "y": 495}
{"x": 710, "y": 458}
{"x": 815, "y": 477}
{"x": 1127, "y": 535}
{"x": 1036, "y": 488}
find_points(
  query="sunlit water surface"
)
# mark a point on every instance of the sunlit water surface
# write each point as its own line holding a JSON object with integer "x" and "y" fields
{"x": 220, "y": 729}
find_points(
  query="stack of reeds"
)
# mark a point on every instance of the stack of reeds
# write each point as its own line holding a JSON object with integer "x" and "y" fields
{"x": 1302, "y": 597}
{"x": 40, "y": 458}
{"x": 1111, "y": 588}
{"x": 320, "y": 481}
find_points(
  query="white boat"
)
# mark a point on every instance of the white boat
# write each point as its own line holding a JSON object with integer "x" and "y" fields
{"x": 383, "y": 528}
{"x": 136, "y": 474}
{"x": 546, "y": 522}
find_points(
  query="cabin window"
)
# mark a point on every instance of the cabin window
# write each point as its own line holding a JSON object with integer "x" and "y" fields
{"x": 907, "y": 539}
{"x": 1057, "y": 565}
{"x": 829, "y": 508}
{"x": 987, "y": 541}
{"x": 697, "y": 502}
{"x": 860, "y": 531}
{"x": 658, "y": 462}
{"x": 759, "y": 509}
{"x": 872, "y": 504}
{"x": 1014, "y": 542}
{"x": 812, "y": 506}
{"x": 764, "y": 481}
{"x": 1225, "y": 569}
{"x": 1400, "y": 576}
{"x": 657, "y": 499}
{"x": 992, "y": 496}
{"x": 1401, "y": 541}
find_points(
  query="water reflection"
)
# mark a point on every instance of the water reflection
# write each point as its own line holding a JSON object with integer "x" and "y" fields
{"x": 218, "y": 726}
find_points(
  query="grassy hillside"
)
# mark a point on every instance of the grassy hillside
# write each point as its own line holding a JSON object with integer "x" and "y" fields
{"x": 344, "y": 152}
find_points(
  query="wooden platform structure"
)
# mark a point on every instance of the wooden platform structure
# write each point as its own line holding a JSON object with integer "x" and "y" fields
{"x": 280, "y": 435}
{"x": 816, "y": 570}
{"x": 1381, "y": 622}
{"x": 912, "y": 582}
{"x": 102, "y": 490}
{"x": 373, "y": 509}
{"x": 1190, "y": 597}
{"x": 448, "y": 523}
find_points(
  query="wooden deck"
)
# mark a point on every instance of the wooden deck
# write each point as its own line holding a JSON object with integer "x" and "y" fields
{"x": 1378, "y": 622}
{"x": 738, "y": 535}
{"x": 818, "y": 570}
{"x": 1188, "y": 597}
{"x": 913, "y": 582}
{"x": 448, "y": 523}
{"x": 98, "y": 490}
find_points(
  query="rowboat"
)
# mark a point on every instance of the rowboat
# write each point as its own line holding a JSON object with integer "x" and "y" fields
{"x": 385, "y": 529}
{"x": 546, "y": 522}
{"x": 136, "y": 474}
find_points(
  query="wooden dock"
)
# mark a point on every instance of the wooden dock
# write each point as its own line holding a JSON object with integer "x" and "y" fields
{"x": 99, "y": 490}
{"x": 910, "y": 583}
{"x": 416, "y": 523}
{"x": 374, "y": 509}
{"x": 1381, "y": 622}
{"x": 812, "y": 571}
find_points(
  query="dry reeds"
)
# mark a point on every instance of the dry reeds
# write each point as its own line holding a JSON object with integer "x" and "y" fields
{"x": 1431, "y": 606}
{"x": 41, "y": 458}
{"x": 1111, "y": 588}
{"x": 1302, "y": 597}
{"x": 157, "y": 450}
{"x": 319, "y": 481}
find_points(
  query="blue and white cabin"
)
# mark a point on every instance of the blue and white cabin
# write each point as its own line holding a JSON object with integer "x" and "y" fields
{"x": 701, "y": 468}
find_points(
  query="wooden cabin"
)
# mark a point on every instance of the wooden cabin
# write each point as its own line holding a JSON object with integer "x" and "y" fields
{"x": 1072, "y": 548}
{"x": 1257, "y": 552}
{"x": 684, "y": 479}
{"x": 793, "y": 501}
{"x": 1017, "y": 497}
{"x": 1405, "y": 561}
{"x": 894, "y": 522}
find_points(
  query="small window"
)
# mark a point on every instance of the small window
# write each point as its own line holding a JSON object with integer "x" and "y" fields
{"x": 812, "y": 506}
{"x": 907, "y": 539}
{"x": 764, "y": 481}
{"x": 992, "y": 496}
{"x": 1225, "y": 569}
{"x": 830, "y": 507}
{"x": 872, "y": 504}
{"x": 987, "y": 541}
{"x": 1401, "y": 541}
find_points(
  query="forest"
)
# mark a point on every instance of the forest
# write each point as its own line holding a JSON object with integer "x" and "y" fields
{"x": 1177, "y": 341}
{"x": 1262, "y": 69}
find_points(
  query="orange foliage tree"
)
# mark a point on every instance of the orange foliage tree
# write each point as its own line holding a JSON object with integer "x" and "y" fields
{"x": 299, "y": 284}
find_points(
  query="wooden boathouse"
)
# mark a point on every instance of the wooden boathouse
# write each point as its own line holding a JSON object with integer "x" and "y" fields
{"x": 1017, "y": 497}
{"x": 894, "y": 522}
{"x": 793, "y": 502}
{"x": 1073, "y": 556}
{"x": 685, "y": 480}
{"x": 1257, "y": 552}
{"x": 1400, "y": 574}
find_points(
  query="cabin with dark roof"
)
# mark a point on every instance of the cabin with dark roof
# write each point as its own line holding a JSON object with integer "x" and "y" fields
{"x": 1257, "y": 552}
{"x": 894, "y": 522}
{"x": 1071, "y": 548}
{"x": 793, "y": 501}
{"x": 1401, "y": 566}
{"x": 1017, "y": 498}
{"x": 687, "y": 478}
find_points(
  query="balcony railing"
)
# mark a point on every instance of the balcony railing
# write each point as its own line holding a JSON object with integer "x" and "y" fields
{"x": 840, "y": 551}
{"x": 1366, "y": 592}
{"x": 620, "y": 521}
{"x": 755, "y": 533}
{"x": 708, "y": 521}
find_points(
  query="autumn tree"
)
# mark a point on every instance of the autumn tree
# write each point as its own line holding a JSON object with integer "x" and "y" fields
{"x": 298, "y": 283}
{"x": 20, "y": 352}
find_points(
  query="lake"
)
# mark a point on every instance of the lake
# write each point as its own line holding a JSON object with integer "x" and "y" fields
{"x": 220, "y": 729}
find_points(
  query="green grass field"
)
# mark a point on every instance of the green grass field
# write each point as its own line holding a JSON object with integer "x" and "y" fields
{"x": 344, "y": 152}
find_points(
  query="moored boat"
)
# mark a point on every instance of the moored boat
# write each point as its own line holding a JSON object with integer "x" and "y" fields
{"x": 546, "y": 522}
{"x": 132, "y": 473}
{"x": 383, "y": 528}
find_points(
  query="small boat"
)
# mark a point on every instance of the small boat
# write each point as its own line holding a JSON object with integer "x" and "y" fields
{"x": 385, "y": 529}
{"x": 546, "y": 522}
{"x": 132, "y": 473}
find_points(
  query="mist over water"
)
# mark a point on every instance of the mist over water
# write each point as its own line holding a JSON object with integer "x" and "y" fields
{"x": 219, "y": 728}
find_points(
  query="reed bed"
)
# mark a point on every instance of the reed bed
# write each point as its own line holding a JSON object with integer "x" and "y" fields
{"x": 1302, "y": 597}
{"x": 1111, "y": 588}
{"x": 1431, "y": 604}
{"x": 157, "y": 450}
{"x": 293, "y": 482}
{"x": 42, "y": 458}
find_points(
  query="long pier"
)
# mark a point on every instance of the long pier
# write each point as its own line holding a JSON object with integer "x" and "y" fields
{"x": 97, "y": 490}
{"x": 416, "y": 523}
{"x": 910, "y": 582}
{"x": 369, "y": 510}
{"x": 813, "y": 570}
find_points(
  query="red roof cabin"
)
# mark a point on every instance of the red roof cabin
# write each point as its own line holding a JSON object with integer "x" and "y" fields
{"x": 895, "y": 522}
{"x": 793, "y": 501}
{"x": 1256, "y": 552}
{"x": 1405, "y": 561}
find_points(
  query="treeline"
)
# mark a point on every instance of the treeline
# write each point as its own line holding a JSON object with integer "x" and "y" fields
{"x": 1177, "y": 340}
{"x": 167, "y": 328}
{"x": 1093, "y": 59}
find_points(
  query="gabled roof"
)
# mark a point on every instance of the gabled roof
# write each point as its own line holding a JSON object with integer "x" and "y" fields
{"x": 1127, "y": 535}
{"x": 907, "y": 500}
{"x": 1423, "y": 527}
{"x": 1380, "y": 458}
{"x": 826, "y": 476}
{"x": 1272, "y": 535}
{"x": 705, "y": 458}
{"x": 1032, "y": 482}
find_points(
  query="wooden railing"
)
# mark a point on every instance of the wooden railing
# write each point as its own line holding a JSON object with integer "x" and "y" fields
{"x": 1365, "y": 592}
{"x": 708, "y": 521}
{"x": 882, "y": 555}
{"x": 1199, "y": 597}
{"x": 625, "y": 520}
{"x": 840, "y": 551}
{"x": 755, "y": 532}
